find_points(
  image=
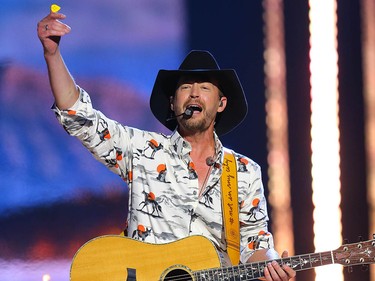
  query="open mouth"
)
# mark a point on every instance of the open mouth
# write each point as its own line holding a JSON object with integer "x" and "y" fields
{"x": 194, "y": 107}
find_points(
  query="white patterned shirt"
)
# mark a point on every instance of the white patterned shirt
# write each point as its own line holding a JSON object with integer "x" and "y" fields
{"x": 164, "y": 201}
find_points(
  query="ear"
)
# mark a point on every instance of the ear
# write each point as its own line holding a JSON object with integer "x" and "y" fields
{"x": 222, "y": 104}
{"x": 171, "y": 102}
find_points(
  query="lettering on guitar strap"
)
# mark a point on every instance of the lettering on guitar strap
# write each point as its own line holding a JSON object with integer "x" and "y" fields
{"x": 132, "y": 274}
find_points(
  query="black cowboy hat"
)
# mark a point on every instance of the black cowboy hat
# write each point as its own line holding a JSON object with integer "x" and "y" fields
{"x": 202, "y": 63}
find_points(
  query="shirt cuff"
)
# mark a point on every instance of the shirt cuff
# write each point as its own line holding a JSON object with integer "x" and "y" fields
{"x": 75, "y": 106}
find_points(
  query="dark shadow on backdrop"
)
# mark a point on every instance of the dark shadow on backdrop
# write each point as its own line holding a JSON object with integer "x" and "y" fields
{"x": 232, "y": 31}
{"x": 352, "y": 134}
{"x": 298, "y": 98}
{"x": 353, "y": 163}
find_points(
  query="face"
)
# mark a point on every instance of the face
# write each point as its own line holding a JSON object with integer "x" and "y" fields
{"x": 203, "y": 95}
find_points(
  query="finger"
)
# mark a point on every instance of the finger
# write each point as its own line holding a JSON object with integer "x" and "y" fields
{"x": 52, "y": 27}
{"x": 56, "y": 16}
{"x": 271, "y": 272}
{"x": 51, "y": 18}
{"x": 276, "y": 271}
{"x": 291, "y": 272}
{"x": 267, "y": 273}
{"x": 57, "y": 26}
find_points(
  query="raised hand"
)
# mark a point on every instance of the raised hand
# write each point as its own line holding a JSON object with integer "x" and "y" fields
{"x": 50, "y": 29}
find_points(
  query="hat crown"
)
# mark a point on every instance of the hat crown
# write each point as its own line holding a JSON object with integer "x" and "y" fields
{"x": 199, "y": 60}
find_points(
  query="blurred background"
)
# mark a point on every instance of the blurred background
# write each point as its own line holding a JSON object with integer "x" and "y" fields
{"x": 309, "y": 125}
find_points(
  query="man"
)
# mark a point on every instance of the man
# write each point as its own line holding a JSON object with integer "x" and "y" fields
{"x": 174, "y": 181}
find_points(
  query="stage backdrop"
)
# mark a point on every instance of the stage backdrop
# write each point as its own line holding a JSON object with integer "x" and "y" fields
{"x": 53, "y": 195}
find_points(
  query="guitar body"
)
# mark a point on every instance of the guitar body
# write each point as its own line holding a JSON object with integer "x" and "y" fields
{"x": 115, "y": 258}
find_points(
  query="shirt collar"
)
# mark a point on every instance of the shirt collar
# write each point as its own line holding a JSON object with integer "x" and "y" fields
{"x": 182, "y": 147}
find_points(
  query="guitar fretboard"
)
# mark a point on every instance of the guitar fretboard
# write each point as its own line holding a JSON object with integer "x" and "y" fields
{"x": 256, "y": 270}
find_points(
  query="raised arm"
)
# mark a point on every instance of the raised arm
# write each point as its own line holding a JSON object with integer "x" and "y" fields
{"x": 50, "y": 30}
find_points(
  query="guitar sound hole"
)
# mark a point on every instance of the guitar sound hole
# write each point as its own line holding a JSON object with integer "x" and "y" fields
{"x": 178, "y": 274}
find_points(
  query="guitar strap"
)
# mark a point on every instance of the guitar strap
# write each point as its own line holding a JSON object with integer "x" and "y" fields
{"x": 229, "y": 194}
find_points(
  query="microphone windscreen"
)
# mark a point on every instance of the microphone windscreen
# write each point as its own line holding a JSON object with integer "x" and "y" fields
{"x": 188, "y": 112}
{"x": 210, "y": 161}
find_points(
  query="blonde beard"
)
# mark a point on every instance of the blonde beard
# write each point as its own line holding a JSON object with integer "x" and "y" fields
{"x": 192, "y": 125}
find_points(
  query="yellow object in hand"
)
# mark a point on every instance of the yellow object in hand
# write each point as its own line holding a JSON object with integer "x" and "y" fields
{"x": 55, "y": 8}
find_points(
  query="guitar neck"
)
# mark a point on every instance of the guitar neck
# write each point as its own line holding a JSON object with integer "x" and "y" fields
{"x": 255, "y": 270}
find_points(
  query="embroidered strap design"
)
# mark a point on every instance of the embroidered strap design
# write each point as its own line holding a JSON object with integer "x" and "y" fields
{"x": 229, "y": 191}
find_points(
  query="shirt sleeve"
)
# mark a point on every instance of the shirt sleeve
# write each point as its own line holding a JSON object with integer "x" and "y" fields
{"x": 106, "y": 139}
{"x": 253, "y": 215}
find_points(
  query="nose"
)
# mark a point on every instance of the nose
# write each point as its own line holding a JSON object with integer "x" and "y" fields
{"x": 194, "y": 93}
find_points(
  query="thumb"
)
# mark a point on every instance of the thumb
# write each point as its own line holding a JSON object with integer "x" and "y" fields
{"x": 285, "y": 254}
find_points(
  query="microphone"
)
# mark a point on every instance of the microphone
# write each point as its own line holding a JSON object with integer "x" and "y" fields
{"x": 187, "y": 113}
{"x": 210, "y": 161}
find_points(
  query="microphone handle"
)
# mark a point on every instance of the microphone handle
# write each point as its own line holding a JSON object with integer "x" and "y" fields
{"x": 174, "y": 117}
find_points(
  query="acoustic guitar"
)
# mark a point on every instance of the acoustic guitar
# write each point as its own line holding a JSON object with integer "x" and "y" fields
{"x": 118, "y": 258}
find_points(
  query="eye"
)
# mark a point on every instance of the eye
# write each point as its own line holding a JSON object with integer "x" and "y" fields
{"x": 185, "y": 86}
{"x": 206, "y": 86}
